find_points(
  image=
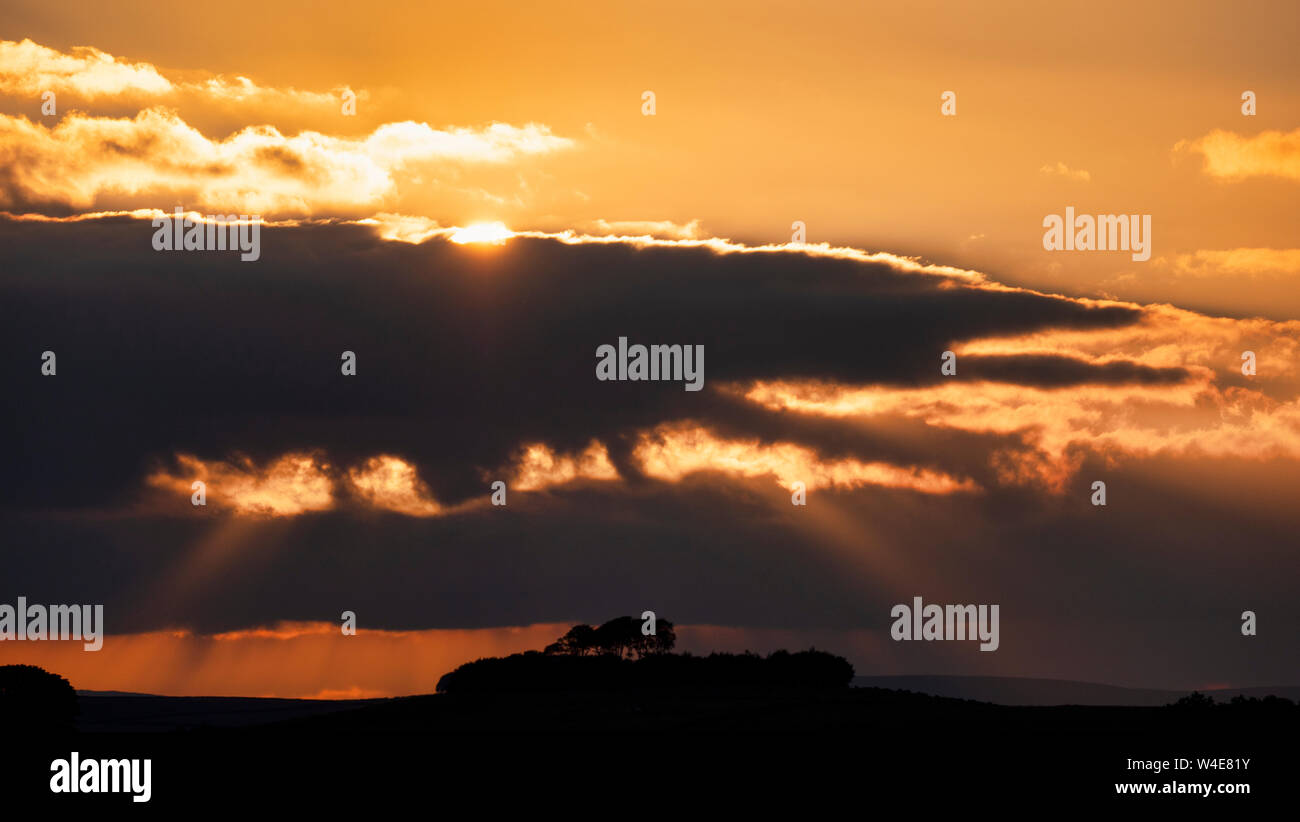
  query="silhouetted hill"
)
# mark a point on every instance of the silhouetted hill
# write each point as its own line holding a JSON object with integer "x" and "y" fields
{"x": 1002, "y": 690}
{"x": 781, "y": 709}
{"x": 103, "y": 712}
{"x": 690, "y": 707}
{"x": 863, "y": 741}
{"x": 865, "y": 745}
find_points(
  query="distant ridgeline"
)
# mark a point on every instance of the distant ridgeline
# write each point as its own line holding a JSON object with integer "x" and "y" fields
{"x": 619, "y": 655}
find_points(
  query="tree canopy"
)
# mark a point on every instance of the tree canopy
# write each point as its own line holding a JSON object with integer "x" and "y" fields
{"x": 621, "y": 636}
{"x": 31, "y": 697}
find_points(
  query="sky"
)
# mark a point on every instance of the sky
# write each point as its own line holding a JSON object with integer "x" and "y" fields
{"x": 364, "y": 144}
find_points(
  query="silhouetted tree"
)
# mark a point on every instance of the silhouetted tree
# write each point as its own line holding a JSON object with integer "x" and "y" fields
{"x": 31, "y": 697}
{"x": 1195, "y": 699}
{"x": 618, "y": 636}
{"x": 579, "y": 641}
{"x": 663, "y": 640}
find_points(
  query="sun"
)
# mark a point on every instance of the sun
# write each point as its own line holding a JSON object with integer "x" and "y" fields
{"x": 495, "y": 233}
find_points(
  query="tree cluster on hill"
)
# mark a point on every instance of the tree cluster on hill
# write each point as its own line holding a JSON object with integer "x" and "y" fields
{"x": 617, "y": 656}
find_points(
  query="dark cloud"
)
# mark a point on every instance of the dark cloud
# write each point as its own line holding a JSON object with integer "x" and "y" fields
{"x": 464, "y": 353}
{"x": 1047, "y": 371}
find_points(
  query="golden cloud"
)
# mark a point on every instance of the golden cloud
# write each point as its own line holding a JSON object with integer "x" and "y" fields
{"x": 300, "y": 483}
{"x": 1231, "y": 156}
{"x": 539, "y": 467}
{"x": 1236, "y": 262}
{"x": 1062, "y": 170}
{"x": 392, "y": 484}
{"x": 84, "y": 161}
{"x": 1146, "y": 420}
{"x": 294, "y": 484}
{"x": 29, "y": 69}
{"x": 673, "y": 451}
{"x": 663, "y": 229}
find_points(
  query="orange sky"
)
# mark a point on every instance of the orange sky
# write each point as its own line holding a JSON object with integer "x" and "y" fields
{"x": 767, "y": 113}
{"x": 301, "y": 660}
{"x": 825, "y": 113}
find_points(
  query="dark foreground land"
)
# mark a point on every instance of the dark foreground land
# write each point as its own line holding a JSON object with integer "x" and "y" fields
{"x": 733, "y": 747}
